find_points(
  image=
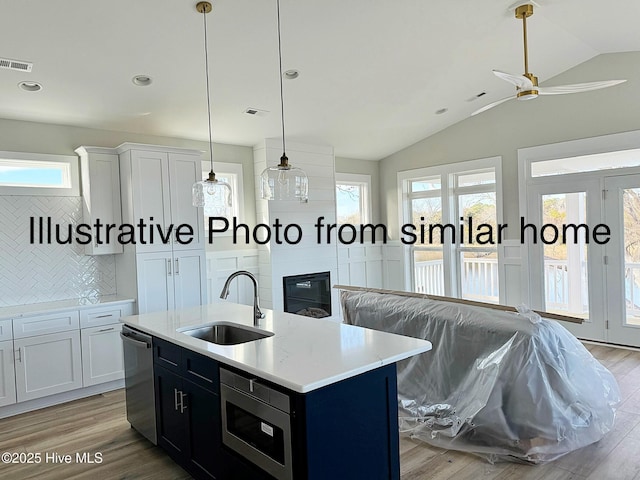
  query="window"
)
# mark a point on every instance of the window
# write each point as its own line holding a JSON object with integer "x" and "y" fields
{"x": 232, "y": 174}
{"x": 353, "y": 202}
{"x": 464, "y": 194}
{"x": 37, "y": 174}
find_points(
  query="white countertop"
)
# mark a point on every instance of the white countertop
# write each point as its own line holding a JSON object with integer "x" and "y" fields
{"x": 18, "y": 311}
{"x": 303, "y": 354}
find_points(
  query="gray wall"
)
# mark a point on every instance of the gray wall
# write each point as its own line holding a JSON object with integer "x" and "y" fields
{"x": 17, "y": 136}
{"x": 504, "y": 129}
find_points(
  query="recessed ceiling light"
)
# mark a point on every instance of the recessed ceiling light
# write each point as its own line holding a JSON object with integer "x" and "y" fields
{"x": 291, "y": 74}
{"x": 30, "y": 86}
{"x": 142, "y": 80}
{"x": 441, "y": 111}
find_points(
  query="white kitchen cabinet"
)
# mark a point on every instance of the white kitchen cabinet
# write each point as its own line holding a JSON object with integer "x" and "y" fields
{"x": 47, "y": 364}
{"x": 104, "y": 314}
{"x": 168, "y": 280}
{"x": 100, "y": 170}
{"x": 157, "y": 183}
{"x": 156, "y": 188}
{"x": 7, "y": 374}
{"x": 102, "y": 357}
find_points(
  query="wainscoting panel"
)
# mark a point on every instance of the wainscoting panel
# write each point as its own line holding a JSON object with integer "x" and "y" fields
{"x": 222, "y": 264}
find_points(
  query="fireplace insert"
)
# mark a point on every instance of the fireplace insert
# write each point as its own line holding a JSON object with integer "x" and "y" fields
{"x": 308, "y": 295}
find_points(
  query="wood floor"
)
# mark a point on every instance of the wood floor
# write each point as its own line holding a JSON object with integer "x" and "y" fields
{"x": 98, "y": 425}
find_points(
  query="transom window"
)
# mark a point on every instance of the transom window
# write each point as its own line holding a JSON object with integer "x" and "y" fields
{"x": 38, "y": 174}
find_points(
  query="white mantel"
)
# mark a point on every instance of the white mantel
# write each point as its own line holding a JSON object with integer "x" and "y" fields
{"x": 277, "y": 261}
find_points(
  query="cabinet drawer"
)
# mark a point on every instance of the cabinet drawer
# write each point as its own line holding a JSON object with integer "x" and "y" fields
{"x": 167, "y": 355}
{"x": 104, "y": 315}
{"x": 201, "y": 370}
{"x": 45, "y": 324}
{"x": 6, "y": 332}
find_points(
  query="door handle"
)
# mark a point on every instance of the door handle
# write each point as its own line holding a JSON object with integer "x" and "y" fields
{"x": 177, "y": 267}
{"x": 19, "y": 352}
{"x": 169, "y": 266}
{"x": 175, "y": 399}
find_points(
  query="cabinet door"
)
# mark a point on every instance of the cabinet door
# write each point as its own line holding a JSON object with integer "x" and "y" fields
{"x": 190, "y": 278}
{"x": 47, "y": 364}
{"x": 101, "y": 195}
{"x": 170, "y": 408}
{"x": 155, "y": 272}
{"x": 102, "y": 356}
{"x": 203, "y": 419}
{"x": 7, "y": 374}
{"x": 185, "y": 170}
{"x": 150, "y": 195}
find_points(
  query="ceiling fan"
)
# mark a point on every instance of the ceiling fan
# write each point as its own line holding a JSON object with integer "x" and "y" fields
{"x": 527, "y": 84}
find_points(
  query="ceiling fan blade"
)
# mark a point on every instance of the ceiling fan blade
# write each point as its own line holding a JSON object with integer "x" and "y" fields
{"x": 491, "y": 105}
{"x": 520, "y": 81}
{"x": 578, "y": 87}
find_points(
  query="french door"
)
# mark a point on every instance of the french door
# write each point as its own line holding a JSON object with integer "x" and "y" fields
{"x": 622, "y": 211}
{"x": 577, "y": 276}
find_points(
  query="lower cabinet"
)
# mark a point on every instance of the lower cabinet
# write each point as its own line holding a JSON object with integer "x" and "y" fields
{"x": 102, "y": 356}
{"x": 7, "y": 376}
{"x": 188, "y": 415}
{"x": 47, "y": 364}
{"x": 348, "y": 429}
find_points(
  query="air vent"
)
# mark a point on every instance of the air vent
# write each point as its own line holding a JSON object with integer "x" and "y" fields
{"x": 17, "y": 65}
{"x": 256, "y": 112}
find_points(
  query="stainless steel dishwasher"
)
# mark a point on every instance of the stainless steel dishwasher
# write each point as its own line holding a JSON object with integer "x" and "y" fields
{"x": 138, "y": 367}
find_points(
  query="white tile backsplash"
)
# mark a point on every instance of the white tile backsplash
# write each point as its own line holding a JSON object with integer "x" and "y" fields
{"x": 43, "y": 273}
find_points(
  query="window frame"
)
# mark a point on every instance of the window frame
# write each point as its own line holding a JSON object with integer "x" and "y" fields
{"x": 362, "y": 180}
{"x": 237, "y": 192}
{"x": 449, "y": 193}
{"x": 72, "y": 174}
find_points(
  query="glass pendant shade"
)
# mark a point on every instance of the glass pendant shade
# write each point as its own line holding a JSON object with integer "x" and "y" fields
{"x": 212, "y": 194}
{"x": 284, "y": 182}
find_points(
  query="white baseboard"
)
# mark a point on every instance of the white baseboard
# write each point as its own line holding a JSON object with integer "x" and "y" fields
{"x": 38, "y": 403}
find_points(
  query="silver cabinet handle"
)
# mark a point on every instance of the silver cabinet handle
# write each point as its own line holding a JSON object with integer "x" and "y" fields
{"x": 177, "y": 267}
{"x": 105, "y": 316}
{"x": 183, "y": 405}
{"x": 169, "y": 265}
{"x": 175, "y": 399}
{"x": 106, "y": 330}
{"x": 19, "y": 352}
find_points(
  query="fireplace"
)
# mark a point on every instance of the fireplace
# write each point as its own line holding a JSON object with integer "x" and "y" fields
{"x": 308, "y": 295}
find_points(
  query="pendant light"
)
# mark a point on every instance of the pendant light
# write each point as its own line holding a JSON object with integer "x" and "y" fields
{"x": 210, "y": 192}
{"x": 283, "y": 182}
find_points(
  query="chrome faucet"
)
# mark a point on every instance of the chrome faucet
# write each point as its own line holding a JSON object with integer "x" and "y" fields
{"x": 257, "y": 314}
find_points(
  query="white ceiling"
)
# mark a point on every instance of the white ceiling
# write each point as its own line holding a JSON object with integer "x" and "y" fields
{"x": 372, "y": 72}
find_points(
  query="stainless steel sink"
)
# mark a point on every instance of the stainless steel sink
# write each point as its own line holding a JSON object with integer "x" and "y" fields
{"x": 224, "y": 333}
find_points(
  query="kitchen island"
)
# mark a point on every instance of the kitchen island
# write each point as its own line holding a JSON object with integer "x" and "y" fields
{"x": 314, "y": 399}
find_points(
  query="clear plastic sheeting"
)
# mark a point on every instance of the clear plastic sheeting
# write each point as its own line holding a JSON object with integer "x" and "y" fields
{"x": 494, "y": 384}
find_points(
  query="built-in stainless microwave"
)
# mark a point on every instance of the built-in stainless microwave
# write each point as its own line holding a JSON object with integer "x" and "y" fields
{"x": 256, "y": 423}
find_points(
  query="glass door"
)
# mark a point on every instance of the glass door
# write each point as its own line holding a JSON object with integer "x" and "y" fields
{"x": 566, "y": 266}
{"x": 622, "y": 213}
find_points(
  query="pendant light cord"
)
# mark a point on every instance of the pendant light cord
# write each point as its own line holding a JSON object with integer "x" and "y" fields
{"x": 283, "y": 160}
{"x": 206, "y": 64}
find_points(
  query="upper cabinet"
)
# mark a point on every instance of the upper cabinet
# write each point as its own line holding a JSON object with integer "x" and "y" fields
{"x": 156, "y": 190}
{"x": 100, "y": 173}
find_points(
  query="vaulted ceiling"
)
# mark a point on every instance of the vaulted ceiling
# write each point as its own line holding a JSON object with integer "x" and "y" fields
{"x": 372, "y": 72}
